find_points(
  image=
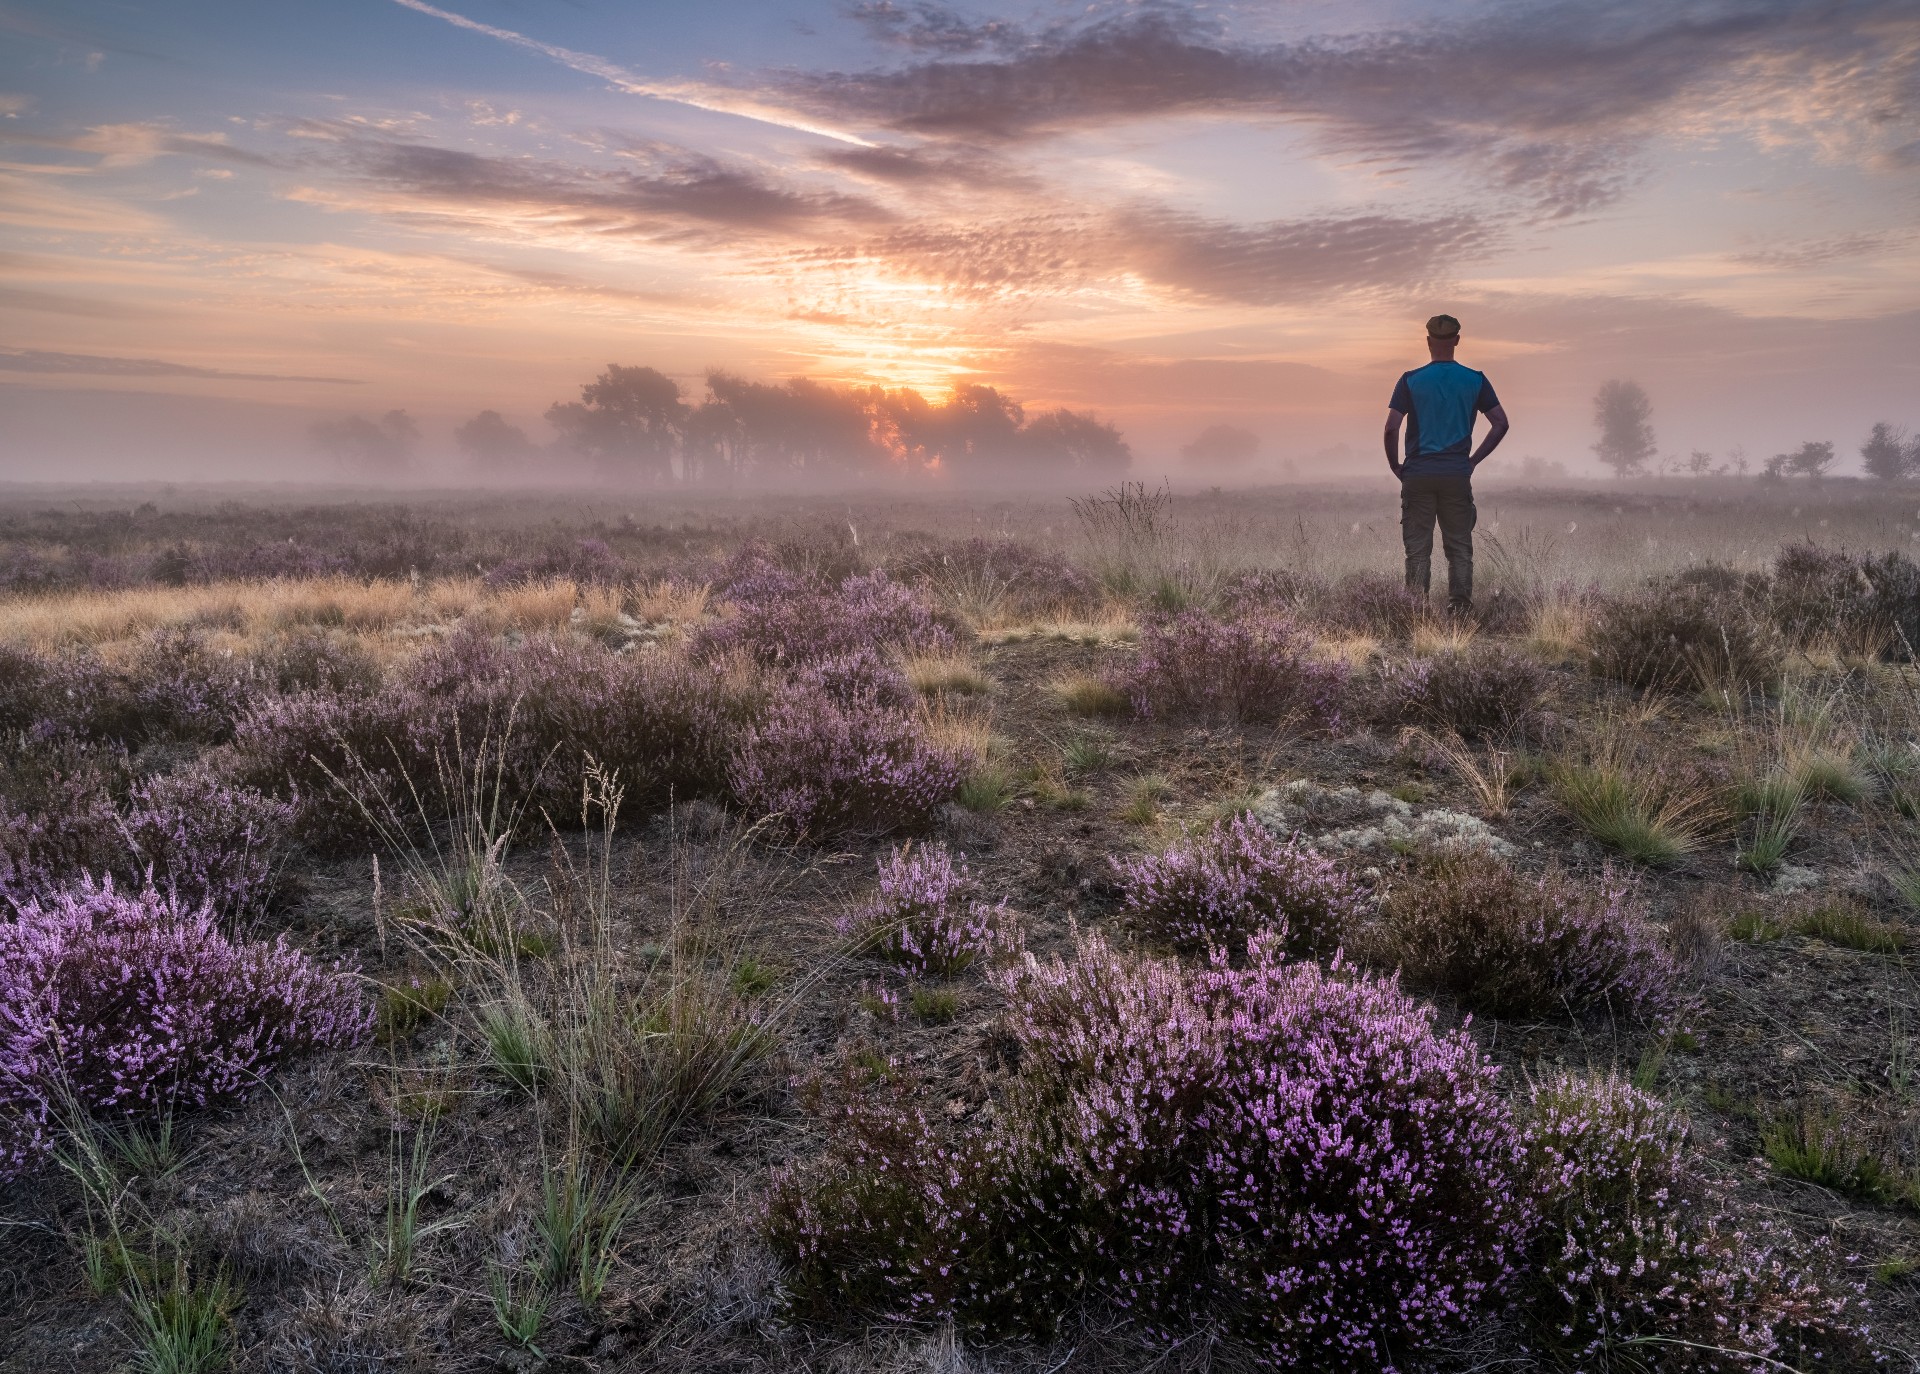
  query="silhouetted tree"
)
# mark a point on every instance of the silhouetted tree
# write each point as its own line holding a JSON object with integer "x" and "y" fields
{"x": 628, "y": 418}
{"x": 492, "y": 443}
{"x": 1066, "y": 441}
{"x": 370, "y": 445}
{"x": 1886, "y": 453}
{"x": 1222, "y": 448}
{"x": 1810, "y": 460}
{"x": 1699, "y": 463}
{"x": 1623, "y": 415}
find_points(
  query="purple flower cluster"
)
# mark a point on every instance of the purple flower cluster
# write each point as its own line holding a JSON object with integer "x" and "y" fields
{"x": 783, "y": 618}
{"x": 1254, "y": 671}
{"x": 1239, "y": 880}
{"x": 842, "y": 764}
{"x": 1297, "y": 1154}
{"x": 1511, "y": 944}
{"x": 1632, "y": 1243}
{"x": 928, "y": 916}
{"x": 180, "y": 687}
{"x": 206, "y": 841}
{"x": 1483, "y": 691}
{"x": 126, "y": 1005}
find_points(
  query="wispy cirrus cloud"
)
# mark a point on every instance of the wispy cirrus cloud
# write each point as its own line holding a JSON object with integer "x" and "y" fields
{"x": 678, "y": 194}
{"x": 1554, "y": 103}
{"x": 699, "y": 95}
{"x": 1177, "y": 254}
{"x": 97, "y": 365}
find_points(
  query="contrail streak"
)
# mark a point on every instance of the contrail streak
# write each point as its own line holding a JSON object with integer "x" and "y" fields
{"x": 680, "y": 92}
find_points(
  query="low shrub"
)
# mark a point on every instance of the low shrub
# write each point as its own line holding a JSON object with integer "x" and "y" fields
{"x": 180, "y": 688}
{"x": 829, "y": 766}
{"x": 59, "y": 812}
{"x": 1638, "y": 1261}
{"x": 781, "y": 617}
{"x": 311, "y": 660}
{"x": 1254, "y": 671}
{"x": 1512, "y": 944}
{"x": 134, "y": 1005}
{"x": 1265, "y": 591}
{"x": 1297, "y": 1156}
{"x": 999, "y": 579}
{"x": 928, "y": 916}
{"x": 537, "y": 710}
{"x": 205, "y": 841}
{"x": 1372, "y": 603}
{"x": 1217, "y": 890}
{"x": 1679, "y": 635}
{"x": 1483, "y": 690}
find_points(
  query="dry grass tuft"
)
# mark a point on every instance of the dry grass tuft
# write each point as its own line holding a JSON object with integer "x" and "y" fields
{"x": 1558, "y": 632}
{"x": 946, "y": 675}
{"x": 1086, "y": 695}
{"x": 1431, "y": 637}
{"x": 531, "y": 605}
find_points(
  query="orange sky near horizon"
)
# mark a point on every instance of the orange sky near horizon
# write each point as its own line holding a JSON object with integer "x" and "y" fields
{"x": 220, "y": 221}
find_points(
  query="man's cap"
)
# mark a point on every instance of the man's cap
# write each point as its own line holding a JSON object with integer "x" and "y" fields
{"x": 1443, "y": 327}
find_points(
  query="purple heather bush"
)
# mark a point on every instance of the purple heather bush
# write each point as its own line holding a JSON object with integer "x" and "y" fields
{"x": 1259, "y": 670}
{"x": 181, "y": 688}
{"x": 782, "y": 617}
{"x": 206, "y": 841}
{"x": 59, "y": 817}
{"x": 1373, "y": 603}
{"x": 1264, "y": 591}
{"x": 132, "y": 1005}
{"x": 1639, "y": 1262}
{"x": 1297, "y": 1155}
{"x": 1217, "y": 890}
{"x": 1514, "y": 944}
{"x": 535, "y": 710}
{"x": 928, "y": 916}
{"x": 1484, "y": 690}
{"x": 830, "y": 766}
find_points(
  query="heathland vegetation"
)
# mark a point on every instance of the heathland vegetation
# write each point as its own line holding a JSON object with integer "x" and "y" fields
{"x": 945, "y": 936}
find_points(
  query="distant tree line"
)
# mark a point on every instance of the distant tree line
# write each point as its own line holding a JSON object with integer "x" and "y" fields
{"x": 1623, "y": 415}
{"x": 634, "y": 424}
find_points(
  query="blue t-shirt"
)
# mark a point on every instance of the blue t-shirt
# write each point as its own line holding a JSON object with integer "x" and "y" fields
{"x": 1440, "y": 401}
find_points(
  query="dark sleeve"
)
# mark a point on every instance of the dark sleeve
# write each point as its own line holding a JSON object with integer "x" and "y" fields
{"x": 1487, "y": 399}
{"x": 1402, "y": 396}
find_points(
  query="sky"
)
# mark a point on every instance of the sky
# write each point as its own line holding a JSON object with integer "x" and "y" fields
{"x": 223, "y": 219}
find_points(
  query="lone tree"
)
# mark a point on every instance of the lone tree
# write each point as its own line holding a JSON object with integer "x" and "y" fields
{"x": 492, "y": 443}
{"x": 1623, "y": 414}
{"x": 1222, "y": 448}
{"x": 629, "y": 418}
{"x": 370, "y": 445}
{"x": 1886, "y": 454}
{"x": 1811, "y": 460}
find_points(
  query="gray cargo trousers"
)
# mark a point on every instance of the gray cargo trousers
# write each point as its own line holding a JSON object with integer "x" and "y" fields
{"x": 1447, "y": 499}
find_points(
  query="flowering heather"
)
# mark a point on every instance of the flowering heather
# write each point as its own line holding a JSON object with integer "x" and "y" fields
{"x": 1632, "y": 1244}
{"x": 1373, "y": 603}
{"x": 58, "y": 816}
{"x": 1484, "y": 690}
{"x": 1239, "y": 880}
{"x": 1254, "y": 671}
{"x": 782, "y": 618}
{"x": 206, "y": 841}
{"x": 662, "y": 723}
{"x": 836, "y": 767}
{"x": 1511, "y": 944}
{"x": 179, "y": 687}
{"x": 928, "y": 916}
{"x": 1296, "y": 1155}
{"x": 137, "y": 1004}
{"x": 858, "y": 674}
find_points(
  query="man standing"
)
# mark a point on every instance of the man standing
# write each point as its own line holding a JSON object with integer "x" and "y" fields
{"x": 1437, "y": 403}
